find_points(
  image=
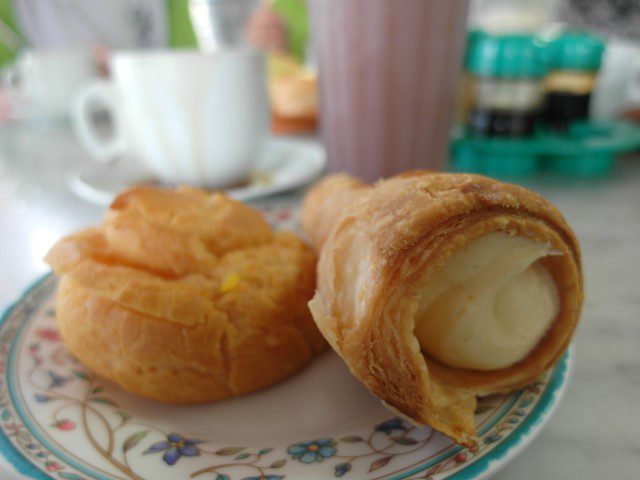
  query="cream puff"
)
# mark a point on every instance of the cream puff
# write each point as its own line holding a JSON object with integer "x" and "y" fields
{"x": 185, "y": 296}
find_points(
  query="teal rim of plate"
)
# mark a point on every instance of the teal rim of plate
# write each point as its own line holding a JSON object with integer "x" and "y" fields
{"x": 516, "y": 441}
{"x": 521, "y": 436}
{"x": 16, "y": 459}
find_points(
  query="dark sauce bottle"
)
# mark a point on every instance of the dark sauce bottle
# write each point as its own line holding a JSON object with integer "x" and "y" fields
{"x": 503, "y": 85}
{"x": 574, "y": 60}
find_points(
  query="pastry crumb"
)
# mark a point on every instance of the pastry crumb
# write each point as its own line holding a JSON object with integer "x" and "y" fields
{"x": 230, "y": 282}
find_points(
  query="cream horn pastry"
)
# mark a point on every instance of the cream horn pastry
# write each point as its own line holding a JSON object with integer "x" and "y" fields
{"x": 436, "y": 288}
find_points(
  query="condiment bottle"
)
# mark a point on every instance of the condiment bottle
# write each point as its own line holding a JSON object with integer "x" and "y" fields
{"x": 574, "y": 60}
{"x": 504, "y": 84}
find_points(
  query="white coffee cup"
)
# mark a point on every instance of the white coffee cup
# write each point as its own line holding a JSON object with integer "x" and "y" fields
{"x": 189, "y": 117}
{"x": 45, "y": 81}
{"x": 618, "y": 84}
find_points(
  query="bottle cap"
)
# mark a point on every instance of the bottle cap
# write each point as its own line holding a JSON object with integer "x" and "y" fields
{"x": 504, "y": 56}
{"x": 575, "y": 51}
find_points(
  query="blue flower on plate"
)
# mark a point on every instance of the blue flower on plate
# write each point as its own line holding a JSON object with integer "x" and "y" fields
{"x": 390, "y": 425}
{"x": 57, "y": 380}
{"x": 312, "y": 451}
{"x": 174, "y": 447}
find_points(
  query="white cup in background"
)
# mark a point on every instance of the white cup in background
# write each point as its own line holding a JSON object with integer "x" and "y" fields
{"x": 618, "y": 84}
{"x": 44, "y": 82}
{"x": 189, "y": 117}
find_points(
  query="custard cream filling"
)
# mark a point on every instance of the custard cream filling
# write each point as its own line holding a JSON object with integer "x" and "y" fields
{"x": 489, "y": 305}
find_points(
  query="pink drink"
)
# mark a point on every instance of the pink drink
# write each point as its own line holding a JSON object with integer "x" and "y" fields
{"x": 388, "y": 74}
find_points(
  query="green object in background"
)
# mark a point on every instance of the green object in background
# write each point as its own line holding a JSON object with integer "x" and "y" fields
{"x": 587, "y": 150}
{"x": 575, "y": 51}
{"x": 180, "y": 30}
{"x": 181, "y": 33}
{"x": 504, "y": 56}
{"x": 295, "y": 15}
{"x": 10, "y": 39}
{"x": 293, "y": 12}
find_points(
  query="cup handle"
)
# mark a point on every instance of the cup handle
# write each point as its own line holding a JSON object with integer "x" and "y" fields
{"x": 633, "y": 85}
{"x": 10, "y": 78}
{"x": 95, "y": 97}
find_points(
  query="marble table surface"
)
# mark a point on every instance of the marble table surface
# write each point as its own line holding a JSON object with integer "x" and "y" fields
{"x": 595, "y": 433}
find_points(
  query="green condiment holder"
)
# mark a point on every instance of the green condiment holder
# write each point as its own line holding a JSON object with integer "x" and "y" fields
{"x": 587, "y": 150}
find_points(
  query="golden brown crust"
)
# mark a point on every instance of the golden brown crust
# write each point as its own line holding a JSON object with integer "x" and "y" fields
{"x": 291, "y": 126}
{"x": 186, "y": 297}
{"x": 324, "y": 205}
{"x": 382, "y": 246}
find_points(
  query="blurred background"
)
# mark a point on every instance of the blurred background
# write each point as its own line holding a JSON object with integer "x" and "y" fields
{"x": 260, "y": 97}
{"x": 505, "y": 88}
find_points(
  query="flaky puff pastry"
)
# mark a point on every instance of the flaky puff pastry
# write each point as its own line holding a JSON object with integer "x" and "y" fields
{"x": 379, "y": 247}
{"x": 184, "y": 296}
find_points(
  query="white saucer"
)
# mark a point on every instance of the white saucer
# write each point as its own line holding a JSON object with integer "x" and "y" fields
{"x": 285, "y": 164}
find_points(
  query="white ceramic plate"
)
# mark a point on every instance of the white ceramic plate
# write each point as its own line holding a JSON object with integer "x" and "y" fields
{"x": 285, "y": 164}
{"x": 59, "y": 421}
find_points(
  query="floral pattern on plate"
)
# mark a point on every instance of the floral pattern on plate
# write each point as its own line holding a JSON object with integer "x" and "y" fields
{"x": 48, "y": 401}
